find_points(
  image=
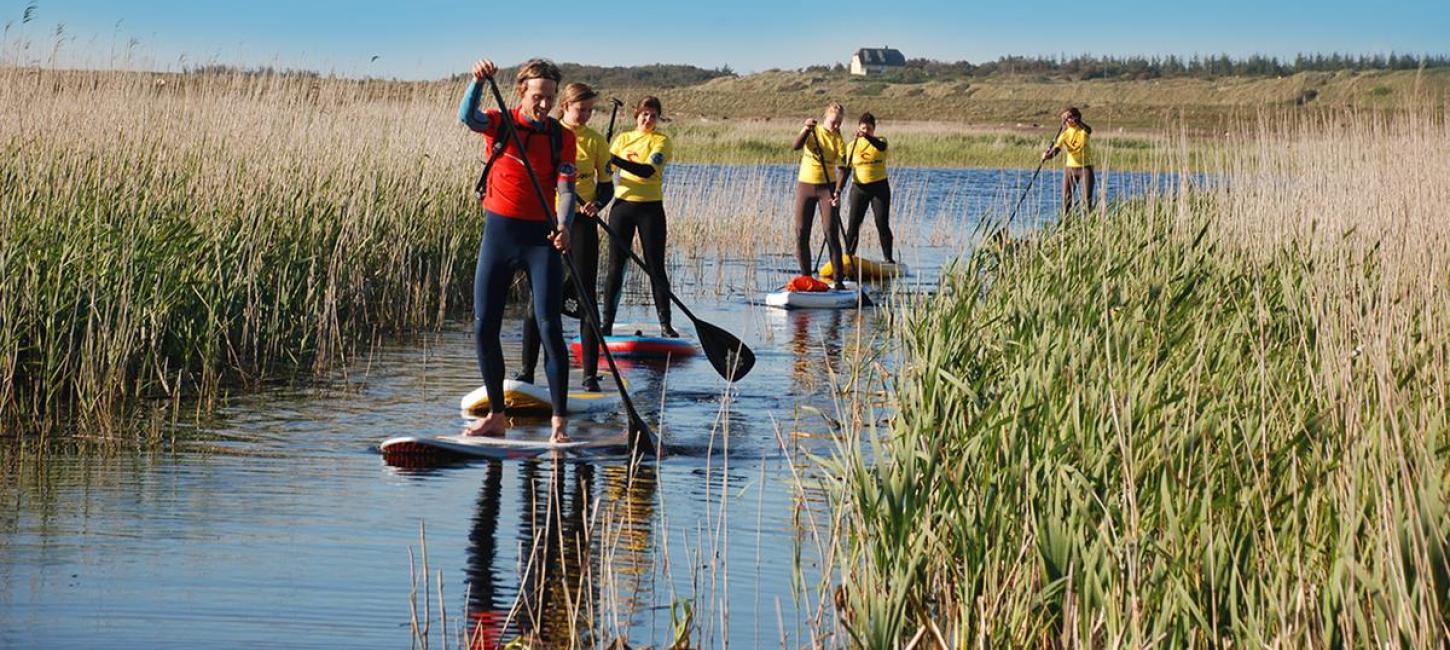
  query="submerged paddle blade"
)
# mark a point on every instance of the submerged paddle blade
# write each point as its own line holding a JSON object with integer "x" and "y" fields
{"x": 866, "y": 299}
{"x": 641, "y": 439}
{"x": 729, "y": 355}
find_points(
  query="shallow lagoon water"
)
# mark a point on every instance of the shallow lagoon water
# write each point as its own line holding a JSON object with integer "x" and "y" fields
{"x": 275, "y": 523}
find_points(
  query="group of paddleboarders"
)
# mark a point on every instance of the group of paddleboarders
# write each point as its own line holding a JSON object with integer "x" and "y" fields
{"x": 539, "y": 229}
{"x": 827, "y": 161}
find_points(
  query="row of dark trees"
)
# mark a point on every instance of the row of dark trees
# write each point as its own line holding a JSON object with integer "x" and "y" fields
{"x": 657, "y": 75}
{"x": 652, "y": 76}
{"x": 919, "y": 70}
{"x": 1155, "y": 67}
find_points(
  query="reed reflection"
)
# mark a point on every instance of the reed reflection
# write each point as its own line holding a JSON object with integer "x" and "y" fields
{"x": 810, "y": 347}
{"x": 571, "y": 550}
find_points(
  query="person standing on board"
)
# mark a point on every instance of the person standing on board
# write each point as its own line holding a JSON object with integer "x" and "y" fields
{"x": 1077, "y": 172}
{"x": 640, "y": 157}
{"x": 822, "y": 148}
{"x": 593, "y": 189}
{"x": 866, "y": 164}
{"x": 517, "y": 234}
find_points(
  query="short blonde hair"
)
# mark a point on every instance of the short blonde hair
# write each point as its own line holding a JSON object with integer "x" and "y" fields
{"x": 835, "y": 107}
{"x": 536, "y": 69}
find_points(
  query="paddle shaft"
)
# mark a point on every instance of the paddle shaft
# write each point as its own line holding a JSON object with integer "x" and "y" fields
{"x": 614, "y": 105}
{"x": 621, "y": 244}
{"x": 609, "y": 139}
{"x": 1030, "y": 181}
{"x": 712, "y": 337}
{"x": 840, "y": 230}
{"x": 638, "y": 427}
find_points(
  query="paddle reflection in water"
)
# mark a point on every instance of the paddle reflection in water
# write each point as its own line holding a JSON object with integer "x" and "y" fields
{"x": 574, "y": 554}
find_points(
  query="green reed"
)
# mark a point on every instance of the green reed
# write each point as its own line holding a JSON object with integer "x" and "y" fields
{"x": 912, "y": 144}
{"x": 1216, "y": 419}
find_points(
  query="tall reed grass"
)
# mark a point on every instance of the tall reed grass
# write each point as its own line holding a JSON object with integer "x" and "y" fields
{"x": 1212, "y": 418}
{"x": 158, "y": 240}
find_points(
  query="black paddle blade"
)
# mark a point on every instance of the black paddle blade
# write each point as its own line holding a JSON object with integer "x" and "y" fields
{"x": 641, "y": 439}
{"x": 573, "y": 307}
{"x": 729, "y": 355}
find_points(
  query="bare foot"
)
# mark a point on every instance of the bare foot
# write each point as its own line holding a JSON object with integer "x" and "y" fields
{"x": 561, "y": 430}
{"x": 495, "y": 424}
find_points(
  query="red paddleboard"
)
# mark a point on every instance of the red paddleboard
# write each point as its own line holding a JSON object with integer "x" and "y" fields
{"x": 638, "y": 346}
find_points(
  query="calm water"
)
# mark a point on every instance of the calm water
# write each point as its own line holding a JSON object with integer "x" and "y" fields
{"x": 276, "y": 523}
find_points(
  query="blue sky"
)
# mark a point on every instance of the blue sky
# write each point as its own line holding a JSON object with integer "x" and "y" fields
{"x": 424, "y": 39}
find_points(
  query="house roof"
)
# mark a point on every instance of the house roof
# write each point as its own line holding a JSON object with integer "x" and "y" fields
{"x": 880, "y": 56}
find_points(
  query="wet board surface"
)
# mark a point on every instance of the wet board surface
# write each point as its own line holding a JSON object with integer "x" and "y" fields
{"x": 848, "y": 298}
{"x": 522, "y": 398}
{"x": 411, "y": 448}
{"x": 868, "y": 269}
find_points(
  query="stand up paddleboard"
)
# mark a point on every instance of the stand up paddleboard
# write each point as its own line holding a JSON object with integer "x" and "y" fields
{"x": 847, "y": 298}
{"x": 869, "y": 269}
{"x": 640, "y": 346}
{"x": 411, "y": 450}
{"x": 533, "y": 399}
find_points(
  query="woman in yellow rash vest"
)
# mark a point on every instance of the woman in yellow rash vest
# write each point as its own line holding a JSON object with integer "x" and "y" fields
{"x": 640, "y": 156}
{"x": 815, "y": 187}
{"x": 593, "y": 188}
{"x": 866, "y": 160}
{"x": 1078, "y": 169}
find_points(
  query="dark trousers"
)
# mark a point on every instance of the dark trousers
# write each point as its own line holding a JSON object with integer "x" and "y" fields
{"x": 648, "y": 219}
{"x": 584, "y": 247}
{"x": 1078, "y": 177}
{"x": 809, "y": 198}
{"x": 510, "y": 246}
{"x": 876, "y": 196}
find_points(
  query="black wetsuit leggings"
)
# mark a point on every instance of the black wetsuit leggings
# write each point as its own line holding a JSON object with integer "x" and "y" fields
{"x": 876, "y": 196}
{"x": 810, "y": 197}
{"x": 584, "y": 245}
{"x": 648, "y": 218}
{"x": 508, "y": 246}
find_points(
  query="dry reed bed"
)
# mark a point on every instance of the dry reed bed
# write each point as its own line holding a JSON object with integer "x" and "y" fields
{"x": 1207, "y": 419}
{"x": 159, "y": 241}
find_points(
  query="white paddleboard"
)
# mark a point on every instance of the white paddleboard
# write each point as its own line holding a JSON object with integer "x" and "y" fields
{"x": 848, "y": 298}
{"x": 404, "y": 449}
{"x": 522, "y": 398}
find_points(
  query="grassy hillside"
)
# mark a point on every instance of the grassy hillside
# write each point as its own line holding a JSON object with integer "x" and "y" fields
{"x": 1018, "y": 101}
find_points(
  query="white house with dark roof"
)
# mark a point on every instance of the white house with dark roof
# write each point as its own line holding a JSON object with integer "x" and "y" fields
{"x": 876, "y": 60}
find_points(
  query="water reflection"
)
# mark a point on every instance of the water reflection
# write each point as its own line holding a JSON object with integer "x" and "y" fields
{"x": 815, "y": 352}
{"x": 486, "y": 615}
{"x": 573, "y": 550}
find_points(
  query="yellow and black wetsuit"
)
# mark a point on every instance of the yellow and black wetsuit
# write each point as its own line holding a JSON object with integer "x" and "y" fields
{"x": 640, "y": 158}
{"x": 866, "y": 158}
{"x": 1078, "y": 169}
{"x": 822, "y": 156}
